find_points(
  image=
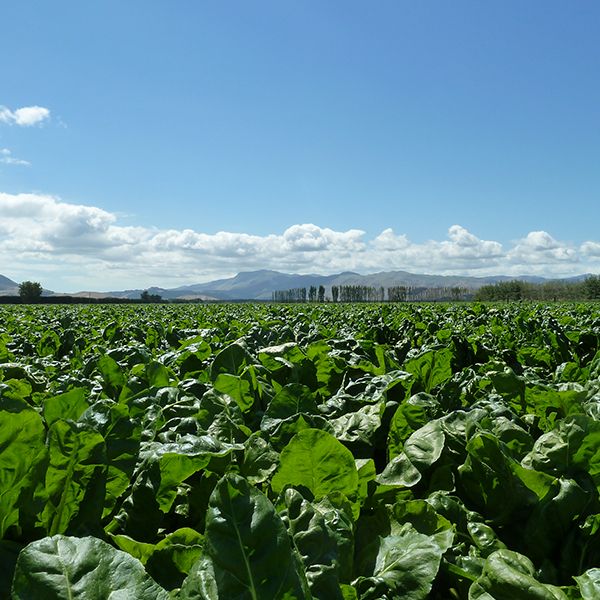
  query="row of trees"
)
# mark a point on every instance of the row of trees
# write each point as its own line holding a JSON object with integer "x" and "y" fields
{"x": 31, "y": 291}
{"x": 365, "y": 293}
{"x": 588, "y": 289}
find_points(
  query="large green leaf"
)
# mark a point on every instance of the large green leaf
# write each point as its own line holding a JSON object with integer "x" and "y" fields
{"x": 221, "y": 417}
{"x": 431, "y": 368}
{"x": 491, "y": 483}
{"x": 571, "y": 449}
{"x": 69, "y": 405}
{"x": 122, "y": 435}
{"x": 316, "y": 544}
{"x": 247, "y": 549}
{"x": 511, "y": 576}
{"x": 232, "y": 359}
{"x": 404, "y": 567}
{"x": 238, "y": 388}
{"x": 174, "y": 556}
{"x": 316, "y": 460}
{"x": 49, "y": 344}
{"x": 589, "y": 584}
{"x": 158, "y": 375}
{"x": 406, "y": 420}
{"x": 76, "y": 476}
{"x": 68, "y": 568}
{"x": 22, "y": 450}
{"x": 162, "y": 468}
{"x": 112, "y": 376}
{"x": 293, "y": 409}
{"x": 260, "y": 460}
{"x": 424, "y": 446}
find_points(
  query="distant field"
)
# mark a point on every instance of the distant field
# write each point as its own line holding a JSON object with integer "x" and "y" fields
{"x": 333, "y": 451}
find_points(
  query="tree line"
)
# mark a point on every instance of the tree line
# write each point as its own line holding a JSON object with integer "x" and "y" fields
{"x": 587, "y": 289}
{"x": 366, "y": 293}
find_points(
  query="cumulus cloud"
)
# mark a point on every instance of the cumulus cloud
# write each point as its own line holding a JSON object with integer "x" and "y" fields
{"x": 90, "y": 244}
{"x": 591, "y": 249}
{"x": 388, "y": 241}
{"x": 540, "y": 248}
{"x": 26, "y": 117}
{"x": 463, "y": 252}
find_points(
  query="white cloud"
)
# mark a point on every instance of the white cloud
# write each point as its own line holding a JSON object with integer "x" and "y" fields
{"x": 591, "y": 249}
{"x": 26, "y": 117}
{"x": 464, "y": 252}
{"x": 540, "y": 248}
{"x": 388, "y": 241}
{"x": 97, "y": 252}
{"x": 9, "y": 160}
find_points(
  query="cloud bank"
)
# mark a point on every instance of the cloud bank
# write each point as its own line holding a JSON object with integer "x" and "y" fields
{"x": 89, "y": 249}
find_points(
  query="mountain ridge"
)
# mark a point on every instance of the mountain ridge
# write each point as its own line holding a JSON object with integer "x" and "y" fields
{"x": 260, "y": 284}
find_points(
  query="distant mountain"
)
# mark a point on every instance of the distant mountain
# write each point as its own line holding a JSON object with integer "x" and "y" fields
{"x": 8, "y": 287}
{"x": 259, "y": 285}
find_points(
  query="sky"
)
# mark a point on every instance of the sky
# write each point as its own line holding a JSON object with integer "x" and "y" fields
{"x": 153, "y": 143}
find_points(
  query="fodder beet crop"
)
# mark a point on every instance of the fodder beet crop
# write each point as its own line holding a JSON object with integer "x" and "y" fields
{"x": 334, "y": 452}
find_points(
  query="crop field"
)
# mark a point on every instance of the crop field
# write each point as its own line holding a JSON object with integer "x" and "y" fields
{"x": 327, "y": 451}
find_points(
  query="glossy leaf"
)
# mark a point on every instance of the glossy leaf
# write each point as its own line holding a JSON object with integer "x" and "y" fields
{"x": 316, "y": 460}
{"x": 247, "y": 553}
{"x": 59, "y": 567}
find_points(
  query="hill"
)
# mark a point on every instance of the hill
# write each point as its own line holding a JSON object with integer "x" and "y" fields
{"x": 8, "y": 287}
{"x": 259, "y": 285}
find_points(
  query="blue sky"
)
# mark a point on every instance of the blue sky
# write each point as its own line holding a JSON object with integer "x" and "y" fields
{"x": 165, "y": 143}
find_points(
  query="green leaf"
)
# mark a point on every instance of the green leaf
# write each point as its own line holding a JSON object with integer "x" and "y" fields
{"x": 260, "y": 460}
{"x": 22, "y": 451}
{"x": 359, "y": 429}
{"x": 221, "y": 417}
{"x": 535, "y": 357}
{"x": 232, "y": 359}
{"x": 406, "y": 420}
{"x": 589, "y": 584}
{"x": 425, "y": 445}
{"x": 293, "y": 409}
{"x": 489, "y": 479}
{"x": 174, "y": 556}
{"x": 69, "y": 405}
{"x": 509, "y": 575}
{"x": 236, "y": 387}
{"x": 158, "y": 375}
{"x": 431, "y": 368}
{"x": 75, "y": 477}
{"x": 122, "y": 436}
{"x": 49, "y": 344}
{"x": 316, "y": 544}
{"x": 140, "y": 550}
{"x": 316, "y": 460}
{"x": 570, "y": 449}
{"x": 112, "y": 376}
{"x": 552, "y": 518}
{"x": 247, "y": 552}
{"x": 399, "y": 472}
{"x": 59, "y": 567}
{"x": 338, "y": 517}
{"x": 162, "y": 468}
{"x": 404, "y": 568}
